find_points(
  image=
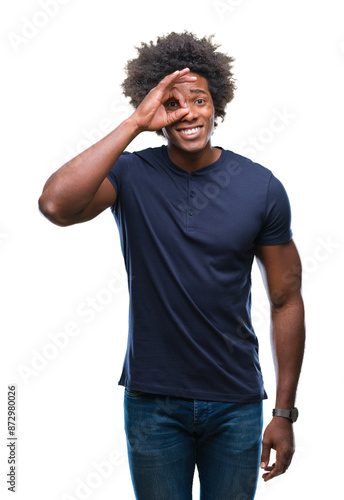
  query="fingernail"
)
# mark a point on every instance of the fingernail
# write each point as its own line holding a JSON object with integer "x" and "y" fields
{"x": 263, "y": 465}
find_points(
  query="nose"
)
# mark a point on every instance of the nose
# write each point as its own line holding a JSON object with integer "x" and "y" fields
{"x": 192, "y": 114}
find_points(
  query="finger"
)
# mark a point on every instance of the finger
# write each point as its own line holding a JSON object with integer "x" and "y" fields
{"x": 280, "y": 467}
{"x": 184, "y": 76}
{"x": 185, "y": 79}
{"x": 180, "y": 75}
{"x": 174, "y": 116}
{"x": 284, "y": 457}
{"x": 183, "y": 71}
{"x": 265, "y": 456}
{"x": 174, "y": 92}
{"x": 274, "y": 473}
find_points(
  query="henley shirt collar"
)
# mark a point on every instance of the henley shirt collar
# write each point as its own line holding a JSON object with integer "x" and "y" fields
{"x": 200, "y": 171}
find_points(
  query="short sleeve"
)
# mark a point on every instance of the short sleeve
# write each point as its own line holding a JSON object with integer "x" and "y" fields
{"x": 276, "y": 228}
{"x": 116, "y": 174}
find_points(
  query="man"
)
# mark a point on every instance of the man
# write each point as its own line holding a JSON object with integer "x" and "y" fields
{"x": 191, "y": 219}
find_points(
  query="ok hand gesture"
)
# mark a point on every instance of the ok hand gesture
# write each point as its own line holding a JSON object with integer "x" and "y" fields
{"x": 151, "y": 114}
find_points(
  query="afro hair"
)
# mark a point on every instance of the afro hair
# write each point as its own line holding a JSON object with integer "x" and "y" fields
{"x": 176, "y": 51}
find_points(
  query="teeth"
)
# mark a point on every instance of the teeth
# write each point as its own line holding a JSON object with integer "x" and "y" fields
{"x": 190, "y": 131}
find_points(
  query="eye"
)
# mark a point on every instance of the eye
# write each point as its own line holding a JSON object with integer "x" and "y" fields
{"x": 200, "y": 101}
{"x": 172, "y": 104}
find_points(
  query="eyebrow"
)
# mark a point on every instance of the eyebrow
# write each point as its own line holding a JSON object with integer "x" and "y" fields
{"x": 198, "y": 91}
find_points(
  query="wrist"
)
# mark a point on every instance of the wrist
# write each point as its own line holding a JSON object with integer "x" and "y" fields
{"x": 291, "y": 414}
{"x": 133, "y": 126}
{"x": 285, "y": 401}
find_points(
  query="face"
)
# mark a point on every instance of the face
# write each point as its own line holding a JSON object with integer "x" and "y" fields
{"x": 193, "y": 132}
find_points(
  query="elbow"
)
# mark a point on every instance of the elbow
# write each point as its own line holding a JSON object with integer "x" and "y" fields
{"x": 48, "y": 208}
{"x": 280, "y": 299}
{"x": 292, "y": 303}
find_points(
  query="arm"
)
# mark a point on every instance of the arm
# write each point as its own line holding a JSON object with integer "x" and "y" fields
{"x": 281, "y": 270}
{"x": 80, "y": 190}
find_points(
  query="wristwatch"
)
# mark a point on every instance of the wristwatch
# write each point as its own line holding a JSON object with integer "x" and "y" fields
{"x": 292, "y": 414}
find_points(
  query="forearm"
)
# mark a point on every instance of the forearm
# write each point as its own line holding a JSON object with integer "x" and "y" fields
{"x": 281, "y": 270}
{"x": 69, "y": 192}
{"x": 288, "y": 342}
{"x": 72, "y": 187}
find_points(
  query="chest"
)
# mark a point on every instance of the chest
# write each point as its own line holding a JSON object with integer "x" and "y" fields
{"x": 220, "y": 213}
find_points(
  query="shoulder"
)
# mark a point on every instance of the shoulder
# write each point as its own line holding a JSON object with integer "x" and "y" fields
{"x": 136, "y": 158}
{"x": 246, "y": 165}
{"x": 249, "y": 177}
{"x": 253, "y": 172}
{"x": 148, "y": 154}
{"x": 129, "y": 161}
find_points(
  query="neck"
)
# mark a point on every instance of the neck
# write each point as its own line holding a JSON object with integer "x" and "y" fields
{"x": 193, "y": 160}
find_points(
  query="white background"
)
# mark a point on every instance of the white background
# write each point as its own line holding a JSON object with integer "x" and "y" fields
{"x": 60, "y": 93}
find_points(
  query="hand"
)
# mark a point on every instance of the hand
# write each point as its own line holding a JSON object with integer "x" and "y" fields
{"x": 278, "y": 435}
{"x": 151, "y": 114}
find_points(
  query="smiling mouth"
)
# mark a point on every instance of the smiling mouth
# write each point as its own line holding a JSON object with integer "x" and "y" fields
{"x": 190, "y": 131}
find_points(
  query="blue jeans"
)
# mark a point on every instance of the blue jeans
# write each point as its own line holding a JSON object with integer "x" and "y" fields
{"x": 167, "y": 436}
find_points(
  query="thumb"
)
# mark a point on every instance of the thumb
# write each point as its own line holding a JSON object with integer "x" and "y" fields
{"x": 265, "y": 458}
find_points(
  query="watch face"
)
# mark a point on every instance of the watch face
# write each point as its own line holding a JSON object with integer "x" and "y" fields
{"x": 294, "y": 414}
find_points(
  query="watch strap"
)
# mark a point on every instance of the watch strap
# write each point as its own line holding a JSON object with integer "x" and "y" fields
{"x": 281, "y": 413}
{"x": 291, "y": 415}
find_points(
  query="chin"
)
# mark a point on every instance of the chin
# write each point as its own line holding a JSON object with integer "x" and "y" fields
{"x": 191, "y": 147}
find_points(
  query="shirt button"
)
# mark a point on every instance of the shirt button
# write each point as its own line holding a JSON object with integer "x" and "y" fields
{"x": 191, "y": 177}
{"x": 192, "y": 194}
{"x": 190, "y": 212}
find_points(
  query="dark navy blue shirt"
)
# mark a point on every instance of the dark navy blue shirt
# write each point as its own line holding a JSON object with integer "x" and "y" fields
{"x": 188, "y": 242}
